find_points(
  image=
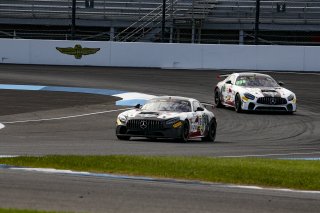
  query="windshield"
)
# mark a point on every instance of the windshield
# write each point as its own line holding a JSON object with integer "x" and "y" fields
{"x": 256, "y": 81}
{"x": 167, "y": 105}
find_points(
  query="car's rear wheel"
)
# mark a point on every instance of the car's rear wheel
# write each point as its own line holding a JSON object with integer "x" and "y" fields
{"x": 211, "y": 136}
{"x": 185, "y": 132}
{"x": 123, "y": 138}
{"x": 217, "y": 98}
{"x": 238, "y": 103}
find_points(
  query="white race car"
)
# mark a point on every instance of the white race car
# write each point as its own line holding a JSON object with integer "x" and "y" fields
{"x": 168, "y": 117}
{"x": 254, "y": 91}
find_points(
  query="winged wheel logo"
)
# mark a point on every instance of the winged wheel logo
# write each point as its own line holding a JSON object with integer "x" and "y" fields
{"x": 77, "y": 51}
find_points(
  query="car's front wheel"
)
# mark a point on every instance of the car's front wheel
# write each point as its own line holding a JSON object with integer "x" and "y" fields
{"x": 211, "y": 136}
{"x": 185, "y": 132}
{"x": 238, "y": 103}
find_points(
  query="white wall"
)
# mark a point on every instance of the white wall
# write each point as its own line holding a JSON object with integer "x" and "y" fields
{"x": 189, "y": 56}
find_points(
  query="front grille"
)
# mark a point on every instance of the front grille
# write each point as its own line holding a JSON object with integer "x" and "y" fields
{"x": 272, "y": 101}
{"x": 144, "y": 124}
{"x": 260, "y": 108}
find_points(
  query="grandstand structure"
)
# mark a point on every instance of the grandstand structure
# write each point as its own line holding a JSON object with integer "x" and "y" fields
{"x": 290, "y": 22}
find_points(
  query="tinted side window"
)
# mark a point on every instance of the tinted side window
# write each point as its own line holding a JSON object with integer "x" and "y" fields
{"x": 241, "y": 81}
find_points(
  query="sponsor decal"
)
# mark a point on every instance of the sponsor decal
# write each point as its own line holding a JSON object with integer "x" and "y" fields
{"x": 77, "y": 51}
{"x": 231, "y": 103}
{"x": 245, "y": 98}
{"x": 147, "y": 115}
{"x": 199, "y": 126}
{"x": 178, "y": 124}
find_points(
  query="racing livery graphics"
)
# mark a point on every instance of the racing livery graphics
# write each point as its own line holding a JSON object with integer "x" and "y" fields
{"x": 254, "y": 91}
{"x": 168, "y": 117}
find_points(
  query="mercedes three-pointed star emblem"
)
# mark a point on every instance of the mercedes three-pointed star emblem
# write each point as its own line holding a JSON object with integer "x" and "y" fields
{"x": 143, "y": 124}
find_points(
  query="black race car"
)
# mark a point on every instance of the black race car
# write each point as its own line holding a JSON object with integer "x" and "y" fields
{"x": 168, "y": 117}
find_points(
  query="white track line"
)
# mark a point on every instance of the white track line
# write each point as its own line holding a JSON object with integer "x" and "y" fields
{"x": 270, "y": 155}
{"x": 9, "y": 156}
{"x": 65, "y": 117}
{"x": 1, "y": 126}
{"x": 142, "y": 178}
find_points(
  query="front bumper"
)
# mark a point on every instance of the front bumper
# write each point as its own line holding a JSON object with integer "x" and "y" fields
{"x": 152, "y": 128}
{"x": 122, "y": 130}
{"x": 252, "y": 105}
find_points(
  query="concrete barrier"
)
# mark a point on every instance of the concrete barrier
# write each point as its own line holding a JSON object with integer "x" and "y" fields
{"x": 167, "y": 55}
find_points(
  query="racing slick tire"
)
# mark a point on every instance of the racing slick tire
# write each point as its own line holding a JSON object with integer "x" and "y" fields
{"x": 211, "y": 136}
{"x": 237, "y": 103}
{"x": 217, "y": 98}
{"x": 123, "y": 138}
{"x": 185, "y": 132}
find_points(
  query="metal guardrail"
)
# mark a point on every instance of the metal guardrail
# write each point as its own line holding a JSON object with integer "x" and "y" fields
{"x": 104, "y": 9}
{"x": 243, "y": 11}
{"x": 135, "y": 9}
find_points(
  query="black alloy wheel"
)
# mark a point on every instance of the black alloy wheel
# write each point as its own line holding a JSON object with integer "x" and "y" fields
{"x": 185, "y": 132}
{"x": 237, "y": 103}
{"x": 211, "y": 136}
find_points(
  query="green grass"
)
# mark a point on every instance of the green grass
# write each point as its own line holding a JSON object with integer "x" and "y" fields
{"x": 24, "y": 211}
{"x": 295, "y": 174}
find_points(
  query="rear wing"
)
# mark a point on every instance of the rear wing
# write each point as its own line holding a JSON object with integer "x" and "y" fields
{"x": 206, "y": 104}
{"x": 222, "y": 76}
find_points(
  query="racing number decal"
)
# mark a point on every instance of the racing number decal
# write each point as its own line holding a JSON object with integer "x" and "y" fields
{"x": 228, "y": 95}
{"x": 198, "y": 127}
{"x": 194, "y": 121}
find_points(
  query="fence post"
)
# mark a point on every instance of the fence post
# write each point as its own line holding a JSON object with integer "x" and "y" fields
{"x": 256, "y": 29}
{"x": 73, "y": 22}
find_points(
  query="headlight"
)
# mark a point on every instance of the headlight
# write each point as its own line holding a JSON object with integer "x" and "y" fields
{"x": 172, "y": 121}
{"x": 249, "y": 96}
{"x": 291, "y": 97}
{"x": 122, "y": 118}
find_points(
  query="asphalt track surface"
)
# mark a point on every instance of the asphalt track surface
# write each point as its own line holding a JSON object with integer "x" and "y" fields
{"x": 248, "y": 134}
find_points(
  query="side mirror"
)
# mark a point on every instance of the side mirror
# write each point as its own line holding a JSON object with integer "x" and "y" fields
{"x": 137, "y": 106}
{"x": 280, "y": 83}
{"x": 228, "y": 82}
{"x": 199, "y": 109}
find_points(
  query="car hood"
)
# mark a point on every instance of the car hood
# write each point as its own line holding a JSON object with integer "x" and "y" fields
{"x": 268, "y": 91}
{"x": 137, "y": 113}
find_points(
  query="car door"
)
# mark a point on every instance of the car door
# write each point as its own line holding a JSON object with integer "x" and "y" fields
{"x": 199, "y": 120}
{"x": 227, "y": 90}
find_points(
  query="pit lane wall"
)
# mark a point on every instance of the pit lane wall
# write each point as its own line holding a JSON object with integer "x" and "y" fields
{"x": 174, "y": 56}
